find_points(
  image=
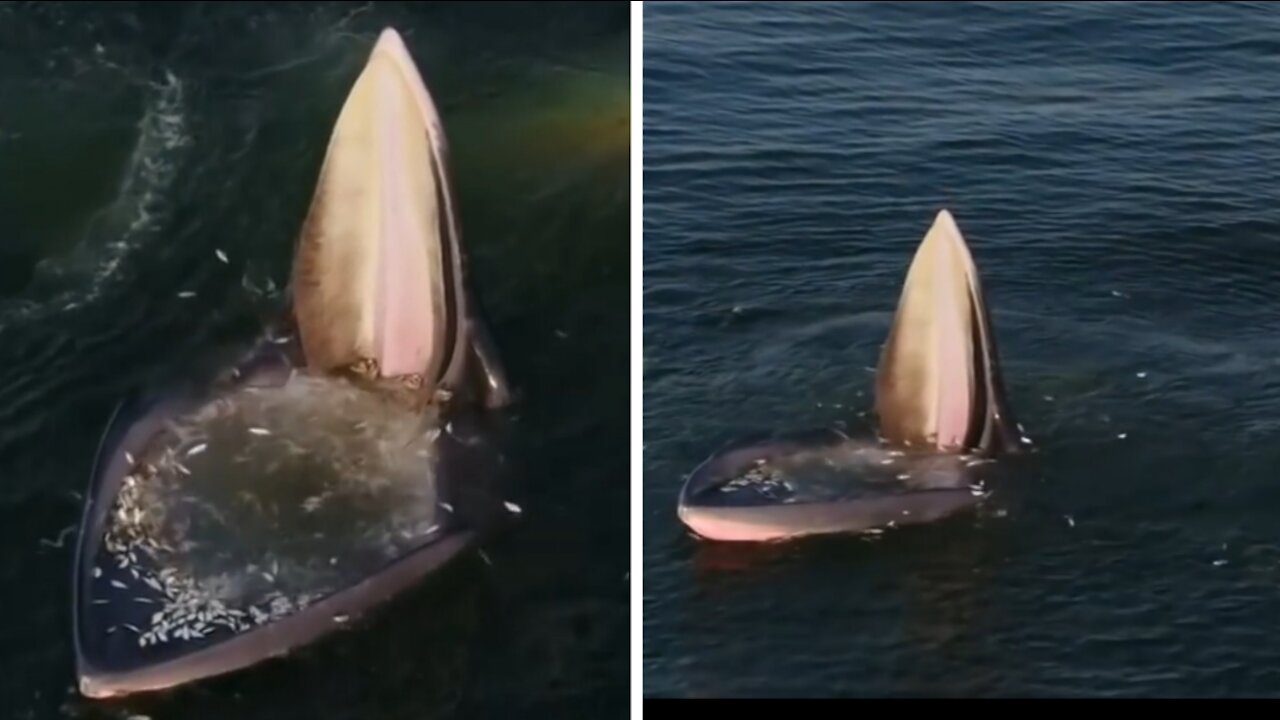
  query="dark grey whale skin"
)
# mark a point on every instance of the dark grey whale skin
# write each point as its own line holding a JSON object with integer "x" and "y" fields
{"x": 771, "y": 522}
{"x": 471, "y": 473}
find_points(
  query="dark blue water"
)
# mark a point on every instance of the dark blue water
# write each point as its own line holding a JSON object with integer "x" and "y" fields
{"x": 137, "y": 139}
{"x": 1115, "y": 168}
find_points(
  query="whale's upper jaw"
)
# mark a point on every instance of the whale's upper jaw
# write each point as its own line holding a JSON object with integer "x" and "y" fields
{"x": 939, "y": 383}
{"x": 379, "y": 282}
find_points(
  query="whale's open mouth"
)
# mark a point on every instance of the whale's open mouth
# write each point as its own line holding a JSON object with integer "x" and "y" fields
{"x": 939, "y": 382}
{"x": 818, "y": 483}
{"x": 238, "y": 520}
{"x": 942, "y": 412}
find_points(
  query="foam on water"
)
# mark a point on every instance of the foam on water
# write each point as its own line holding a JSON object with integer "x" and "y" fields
{"x": 133, "y": 217}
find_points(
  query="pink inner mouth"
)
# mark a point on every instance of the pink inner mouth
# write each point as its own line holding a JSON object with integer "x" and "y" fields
{"x": 953, "y": 378}
{"x": 404, "y": 321}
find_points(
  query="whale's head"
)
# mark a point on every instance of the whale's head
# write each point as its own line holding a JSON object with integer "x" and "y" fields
{"x": 939, "y": 384}
{"x": 380, "y": 285}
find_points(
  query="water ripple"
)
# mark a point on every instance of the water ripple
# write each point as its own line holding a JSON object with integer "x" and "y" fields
{"x": 1113, "y": 168}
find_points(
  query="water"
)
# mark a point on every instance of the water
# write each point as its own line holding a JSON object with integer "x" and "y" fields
{"x": 1114, "y": 168}
{"x": 139, "y": 146}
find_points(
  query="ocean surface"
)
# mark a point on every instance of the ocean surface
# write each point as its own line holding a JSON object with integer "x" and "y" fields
{"x": 137, "y": 141}
{"x": 1115, "y": 168}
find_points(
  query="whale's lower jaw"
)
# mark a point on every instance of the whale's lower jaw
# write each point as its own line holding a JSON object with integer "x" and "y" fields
{"x": 266, "y": 400}
{"x": 823, "y": 483}
{"x": 286, "y": 636}
{"x": 778, "y": 523}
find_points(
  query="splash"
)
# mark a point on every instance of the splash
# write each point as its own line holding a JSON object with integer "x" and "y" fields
{"x": 128, "y": 222}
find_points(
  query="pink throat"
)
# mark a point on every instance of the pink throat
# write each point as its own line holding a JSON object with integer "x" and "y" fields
{"x": 404, "y": 321}
{"x": 953, "y": 381}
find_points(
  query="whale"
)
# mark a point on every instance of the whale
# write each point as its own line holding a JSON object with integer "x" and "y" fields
{"x": 351, "y": 449}
{"x": 944, "y": 424}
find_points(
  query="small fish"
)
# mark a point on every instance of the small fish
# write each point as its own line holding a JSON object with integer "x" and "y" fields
{"x": 512, "y": 507}
{"x": 1219, "y": 563}
{"x": 1122, "y": 436}
{"x": 97, "y": 572}
{"x": 485, "y": 558}
{"x": 197, "y": 449}
{"x": 341, "y": 618}
{"x": 186, "y": 294}
{"x": 259, "y": 431}
{"x": 1071, "y": 522}
{"x": 118, "y": 585}
{"x": 62, "y": 537}
{"x": 221, "y": 256}
{"x": 1142, "y": 375}
{"x": 128, "y": 457}
{"x": 447, "y": 507}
